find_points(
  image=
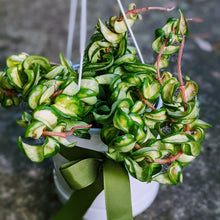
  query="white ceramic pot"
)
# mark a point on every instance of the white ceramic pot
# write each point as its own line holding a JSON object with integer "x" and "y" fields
{"x": 142, "y": 194}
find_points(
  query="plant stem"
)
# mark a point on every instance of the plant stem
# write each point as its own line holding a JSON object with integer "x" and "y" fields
{"x": 137, "y": 146}
{"x": 54, "y": 64}
{"x": 63, "y": 134}
{"x": 182, "y": 86}
{"x": 135, "y": 11}
{"x": 56, "y": 93}
{"x": 187, "y": 129}
{"x": 158, "y": 61}
{"x": 199, "y": 20}
{"x": 166, "y": 160}
{"x": 145, "y": 101}
{"x": 161, "y": 161}
{"x": 9, "y": 93}
{"x": 160, "y": 55}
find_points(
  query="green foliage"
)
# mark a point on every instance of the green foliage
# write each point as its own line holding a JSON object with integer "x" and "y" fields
{"x": 119, "y": 94}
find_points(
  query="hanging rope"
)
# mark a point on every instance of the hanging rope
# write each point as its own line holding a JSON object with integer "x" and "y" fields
{"x": 71, "y": 27}
{"x": 130, "y": 30}
{"x": 83, "y": 25}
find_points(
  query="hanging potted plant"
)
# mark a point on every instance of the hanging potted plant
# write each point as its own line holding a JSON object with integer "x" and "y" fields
{"x": 145, "y": 120}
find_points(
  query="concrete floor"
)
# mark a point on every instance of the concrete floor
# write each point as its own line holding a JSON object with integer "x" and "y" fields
{"x": 40, "y": 27}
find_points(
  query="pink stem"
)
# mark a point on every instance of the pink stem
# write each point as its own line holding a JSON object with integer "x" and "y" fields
{"x": 158, "y": 61}
{"x": 199, "y": 20}
{"x": 56, "y": 93}
{"x": 134, "y": 11}
{"x": 187, "y": 129}
{"x": 137, "y": 146}
{"x": 7, "y": 92}
{"x": 167, "y": 160}
{"x": 159, "y": 57}
{"x": 145, "y": 101}
{"x": 63, "y": 134}
{"x": 161, "y": 161}
{"x": 182, "y": 86}
{"x": 182, "y": 89}
{"x": 54, "y": 64}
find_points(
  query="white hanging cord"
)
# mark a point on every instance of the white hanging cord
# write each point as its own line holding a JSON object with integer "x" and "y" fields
{"x": 130, "y": 30}
{"x": 71, "y": 27}
{"x": 83, "y": 26}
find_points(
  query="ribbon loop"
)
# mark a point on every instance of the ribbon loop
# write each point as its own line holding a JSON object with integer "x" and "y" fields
{"x": 88, "y": 172}
{"x": 80, "y": 174}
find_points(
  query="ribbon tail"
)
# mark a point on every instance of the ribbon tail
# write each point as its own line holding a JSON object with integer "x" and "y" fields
{"x": 117, "y": 191}
{"x": 79, "y": 202}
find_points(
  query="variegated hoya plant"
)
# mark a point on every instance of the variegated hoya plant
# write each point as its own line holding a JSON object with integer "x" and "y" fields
{"x": 149, "y": 117}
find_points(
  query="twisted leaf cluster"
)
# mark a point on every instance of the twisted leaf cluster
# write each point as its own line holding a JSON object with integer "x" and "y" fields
{"x": 149, "y": 118}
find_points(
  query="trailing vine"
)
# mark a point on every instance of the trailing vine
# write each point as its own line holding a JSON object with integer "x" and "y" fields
{"x": 149, "y": 118}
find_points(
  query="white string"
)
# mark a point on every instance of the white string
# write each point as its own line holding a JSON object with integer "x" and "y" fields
{"x": 83, "y": 26}
{"x": 71, "y": 27}
{"x": 130, "y": 30}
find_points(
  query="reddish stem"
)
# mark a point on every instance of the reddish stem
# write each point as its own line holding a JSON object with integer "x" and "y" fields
{"x": 107, "y": 50}
{"x": 145, "y": 101}
{"x": 158, "y": 61}
{"x": 182, "y": 86}
{"x": 135, "y": 11}
{"x": 159, "y": 57}
{"x": 187, "y": 129}
{"x": 161, "y": 161}
{"x": 6, "y": 92}
{"x": 63, "y": 134}
{"x": 56, "y": 93}
{"x": 166, "y": 160}
{"x": 182, "y": 89}
{"x": 199, "y": 20}
{"x": 137, "y": 146}
{"x": 54, "y": 64}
